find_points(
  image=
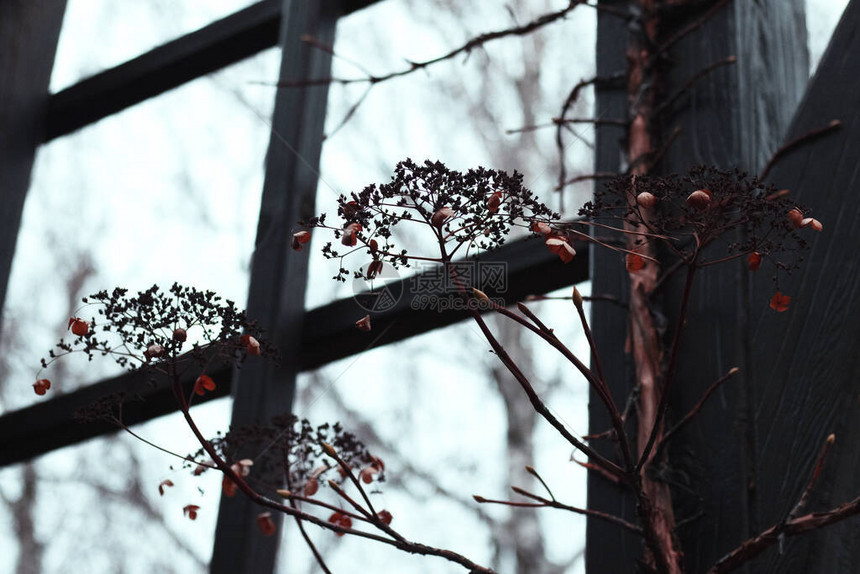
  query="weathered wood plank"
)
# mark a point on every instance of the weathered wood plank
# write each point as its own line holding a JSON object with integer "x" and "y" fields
{"x": 170, "y": 65}
{"x": 734, "y": 117}
{"x": 29, "y": 31}
{"x": 609, "y": 322}
{"x": 806, "y": 379}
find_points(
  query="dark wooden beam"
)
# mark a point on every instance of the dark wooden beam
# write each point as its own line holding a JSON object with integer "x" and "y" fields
{"x": 262, "y": 390}
{"x": 734, "y": 117}
{"x": 29, "y": 31}
{"x": 329, "y": 334}
{"x": 808, "y": 358}
{"x": 170, "y": 65}
{"x": 609, "y": 322}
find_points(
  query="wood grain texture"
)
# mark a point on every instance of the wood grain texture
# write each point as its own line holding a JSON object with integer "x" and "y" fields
{"x": 29, "y": 31}
{"x": 262, "y": 390}
{"x": 807, "y": 378}
{"x": 607, "y": 547}
{"x": 733, "y": 117}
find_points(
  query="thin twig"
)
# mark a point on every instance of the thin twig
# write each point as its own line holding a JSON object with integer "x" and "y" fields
{"x": 587, "y": 512}
{"x": 692, "y": 81}
{"x": 694, "y": 411}
{"x": 758, "y": 544}
{"x": 586, "y": 177}
{"x": 809, "y": 136}
{"x": 691, "y": 27}
{"x": 466, "y": 48}
{"x": 814, "y": 478}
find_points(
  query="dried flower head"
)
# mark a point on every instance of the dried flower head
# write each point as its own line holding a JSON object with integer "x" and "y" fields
{"x": 476, "y": 208}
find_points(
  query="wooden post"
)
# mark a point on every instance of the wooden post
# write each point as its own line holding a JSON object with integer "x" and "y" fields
{"x": 806, "y": 371}
{"x": 276, "y": 297}
{"x": 29, "y": 31}
{"x": 733, "y": 117}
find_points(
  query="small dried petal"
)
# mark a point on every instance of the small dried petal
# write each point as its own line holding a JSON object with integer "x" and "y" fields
{"x": 561, "y": 247}
{"x": 812, "y": 222}
{"x": 384, "y": 516}
{"x": 349, "y": 239}
{"x": 363, "y": 324}
{"x": 350, "y": 208}
{"x": 439, "y": 218}
{"x": 162, "y": 485}
{"x": 284, "y": 493}
{"x": 243, "y": 467}
{"x": 646, "y": 199}
{"x": 699, "y": 199}
{"x": 374, "y": 268}
{"x": 252, "y": 345}
{"x": 266, "y": 524}
{"x": 311, "y": 487}
{"x": 180, "y": 335}
{"x": 754, "y": 261}
{"x": 202, "y": 384}
{"x": 374, "y": 246}
{"x": 228, "y": 487}
{"x": 341, "y": 520}
{"x": 350, "y": 234}
{"x": 78, "y": 326}
{"x": 635, "y": 262}
{"x": 367, "y": 473}
{"x": 41, "y": 386}
{"x": 190, "y": 510}
{"x": 779, "y": 302}
{"x": 795, "y": 218}
{"x": 494, "y": 202}
{"x": 200, "y": 469}
{"x": 300, "y": 239}
{"x": 540, "y": 227}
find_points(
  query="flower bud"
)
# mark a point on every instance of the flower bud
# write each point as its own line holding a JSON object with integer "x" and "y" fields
{"x": 480, "y": 295}
{"x": 154, "y": 351}
{"x": 646, "y": 199}
{"x": 699, "y": 199}
{"x": 577, "y": 302}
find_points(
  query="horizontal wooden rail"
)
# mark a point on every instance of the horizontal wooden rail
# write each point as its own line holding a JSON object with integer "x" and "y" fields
{"x": 168, "y": 66}
{"x": 329, "y": 334}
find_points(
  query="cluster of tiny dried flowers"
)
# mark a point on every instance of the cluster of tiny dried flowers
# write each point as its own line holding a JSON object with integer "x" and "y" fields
{"x": 294, "y": 444}
{"x": 727, "y": 212}
{"x": 152, "y": 329}
{"x": 475, "y": 209}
